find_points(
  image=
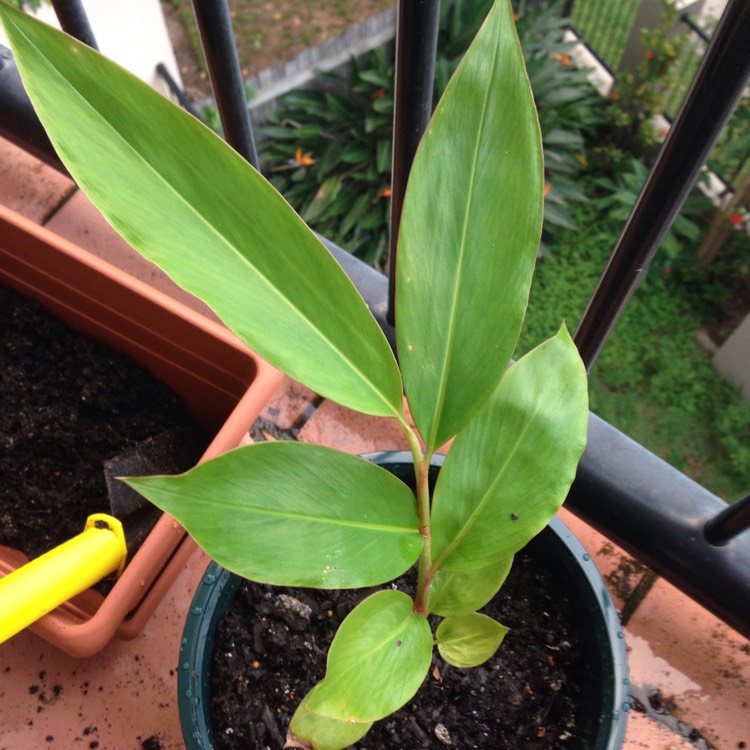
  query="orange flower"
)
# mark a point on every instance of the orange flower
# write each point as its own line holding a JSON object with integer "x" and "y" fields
{"x": 385, "y": 191}
{"x": 304, "y": 160}
{"x": 564, "y": 58}
{"x": 379, "y": 94}
{"x": 547, "y": 187}
{"x": 614, "y": 95}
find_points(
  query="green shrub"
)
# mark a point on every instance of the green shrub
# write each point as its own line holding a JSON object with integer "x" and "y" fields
{"x": 328, "y": 152}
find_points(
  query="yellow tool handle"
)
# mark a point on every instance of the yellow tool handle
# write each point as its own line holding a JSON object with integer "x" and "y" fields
{"x": 46, "y": 582}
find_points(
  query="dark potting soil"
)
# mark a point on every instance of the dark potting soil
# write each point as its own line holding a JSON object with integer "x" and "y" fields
{"x": 530, "y": 696}
{"x": 68, "y": 404}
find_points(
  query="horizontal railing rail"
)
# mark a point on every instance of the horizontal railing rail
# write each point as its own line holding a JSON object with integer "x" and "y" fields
{"x": 678, "y": 528}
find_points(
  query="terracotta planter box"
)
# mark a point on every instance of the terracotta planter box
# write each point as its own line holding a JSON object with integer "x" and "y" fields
{"x": 224, "y": 384}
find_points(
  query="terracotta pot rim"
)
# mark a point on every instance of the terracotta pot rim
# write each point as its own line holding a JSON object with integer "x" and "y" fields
{"x": 225, "y": 384}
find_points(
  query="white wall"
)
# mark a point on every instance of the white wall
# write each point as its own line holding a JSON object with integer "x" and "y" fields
{"x": 131, "y": 32}
{"x": 733, "y": 359}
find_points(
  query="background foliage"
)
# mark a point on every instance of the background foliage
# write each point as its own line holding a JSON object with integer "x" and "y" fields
{"x": 653, "y": 380}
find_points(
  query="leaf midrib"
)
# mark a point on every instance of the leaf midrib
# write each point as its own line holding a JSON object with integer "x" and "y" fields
{"x": 222, "y": 508}
{"x": 450, "y": 338}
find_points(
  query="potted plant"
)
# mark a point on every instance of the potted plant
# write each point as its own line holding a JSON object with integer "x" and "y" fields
{"x": 303, "y": 515}
{"x": 559, "y": 679}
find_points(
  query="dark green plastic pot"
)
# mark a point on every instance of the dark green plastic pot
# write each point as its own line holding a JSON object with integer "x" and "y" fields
{"x": 608, "y": 691}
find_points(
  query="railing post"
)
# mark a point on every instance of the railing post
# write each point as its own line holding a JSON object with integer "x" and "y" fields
{"x": 416, "y": 47}
{"x": 215, "y": 27}
{"x": 717, "y": 87}
{"x": 74, "y": 21}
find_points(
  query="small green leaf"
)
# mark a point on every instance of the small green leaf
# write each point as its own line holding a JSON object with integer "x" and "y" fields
{"x": 187, "y": 201}
{"x": 357, "y": 209}
{"x": 469, "y": 640}
{"x": 377, "y": 660}
{"x": 294, "y": 514}
{"x": 355, "y": 153}
{"x": 459, "y": 593}
{"x": 509, "y": 471}
{"x": 317, "y": 732}
{"x": 469, "y": 234}
{"x": 326, "y": 195}
{"x": 383, "y": 157}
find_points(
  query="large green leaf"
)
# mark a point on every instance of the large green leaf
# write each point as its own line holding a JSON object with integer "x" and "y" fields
{"x": 469, "y": 234}
{"x": 509, "y": 471}
{"x": 184, "y": 199}
{"x": 470, "y": 640}
{"x": 310, "y": 730}
{"x": 377, "y": 661}
{"x": 294, "y": 514}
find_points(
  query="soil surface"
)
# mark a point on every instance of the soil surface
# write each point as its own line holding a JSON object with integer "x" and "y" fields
{"x": 68, "y": 405}
{"x": 266, "y": 32}
{"x": 529, "y": 695}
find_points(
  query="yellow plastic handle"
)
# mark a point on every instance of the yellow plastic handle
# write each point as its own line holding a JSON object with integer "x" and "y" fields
{"x": 46, "y": 582}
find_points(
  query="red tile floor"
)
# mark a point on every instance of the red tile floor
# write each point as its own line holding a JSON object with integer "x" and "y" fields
{"x": 127, "y": 694}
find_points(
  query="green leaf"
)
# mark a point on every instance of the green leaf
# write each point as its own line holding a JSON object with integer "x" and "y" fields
{"x": 187, "y": 201}
{"x": 375, "y": 78}
{"x": 323, "y": 199}
{"x": 294, "y": 514}
{"x": 463, "y": 592}
{"x": 469, "y": 234}
{"x": 470, "y": 640}
{"x": 317, "y": 732}
{"x": 377, "y": 217}
{"x": 356, "y": 152}
{"x": 558, "y": 216}
{"x": 559, "y": 137}
{"x": 356, "y": 211}
{"x": 377, "y": 660}
{"x": 383, "y": 157}
{"x": 509, "y": 471}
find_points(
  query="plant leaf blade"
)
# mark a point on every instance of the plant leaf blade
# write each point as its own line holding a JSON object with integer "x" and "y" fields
{"x": 310, "y": 730}
{"x": 469, "y": 640}
{"x": 294, "y": 514}
{"x": 455, "y": 593}
{"x": 377, "y": 660}
{"x": 509, "y": 471}
{"x": 469, "y": 234}
{"x": 185, "y": 200}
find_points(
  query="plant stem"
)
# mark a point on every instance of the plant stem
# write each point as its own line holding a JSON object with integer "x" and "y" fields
{"x": 424, "y": 566}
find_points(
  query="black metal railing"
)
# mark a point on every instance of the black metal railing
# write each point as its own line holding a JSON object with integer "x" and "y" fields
{"x": 679, "y": 529}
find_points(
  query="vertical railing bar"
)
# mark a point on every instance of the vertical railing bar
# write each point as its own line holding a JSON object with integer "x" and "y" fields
{"x": 710, "y": 101}
{"x": 176, "y": 91}
{"x": 728, "y": 523}
{"x": 74, "y": 21}
{"x": 416, "y": 48}
{"x": 217, "y": 39}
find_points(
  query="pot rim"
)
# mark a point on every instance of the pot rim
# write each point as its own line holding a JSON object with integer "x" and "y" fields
{"x": 215, "y": 593}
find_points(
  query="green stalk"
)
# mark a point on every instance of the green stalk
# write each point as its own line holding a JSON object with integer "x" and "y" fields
{"x": 424, "y": 566}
